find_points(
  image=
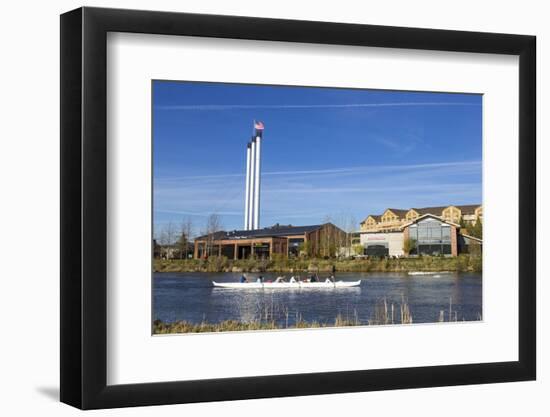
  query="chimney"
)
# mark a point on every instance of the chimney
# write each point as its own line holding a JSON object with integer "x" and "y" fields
{"x": 252, "y": 189}
{"x": 257, "y": 182}
{"x": 247, "y": 189}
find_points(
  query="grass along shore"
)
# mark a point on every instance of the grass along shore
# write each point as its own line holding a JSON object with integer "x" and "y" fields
{"x": 266, "y": 320}
{"x": 160, "y": 327}
{"x": 461, "y": 263}
{"x": 383, "y": 313}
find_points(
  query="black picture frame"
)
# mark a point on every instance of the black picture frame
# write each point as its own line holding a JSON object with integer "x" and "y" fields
{"x": 84, "y": 207}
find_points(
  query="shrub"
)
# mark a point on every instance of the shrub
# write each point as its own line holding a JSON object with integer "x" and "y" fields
{"x": 280, "y": 263}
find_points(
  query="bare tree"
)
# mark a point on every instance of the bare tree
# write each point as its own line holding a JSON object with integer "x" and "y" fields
{"x": 344, "y": 241}
{"x": 351, "y": 229}
{"x": 156, "y": 232}
{"x": 339, "y": 238}
{"x": 186, "y": 236}
{"x": 170, "y": 230}
{"x": 166, "y": 239}
{"x": 213, "y": 225}
{"x": 328, "y": 237}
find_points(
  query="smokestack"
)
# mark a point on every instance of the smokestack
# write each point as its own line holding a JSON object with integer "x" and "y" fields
{"x": 247, "y": 190}
{"x": 257, "y": 182}
{"x": 252, "y": 190}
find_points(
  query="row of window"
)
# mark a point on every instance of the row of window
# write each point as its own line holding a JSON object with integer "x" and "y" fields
{"x": 430, "y": 232}
{"x": 432, "y": 250}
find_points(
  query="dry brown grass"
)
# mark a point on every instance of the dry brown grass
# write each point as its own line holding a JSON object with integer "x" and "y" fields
{"x": 160, "y": 327}
{"x": 462, "y": 263}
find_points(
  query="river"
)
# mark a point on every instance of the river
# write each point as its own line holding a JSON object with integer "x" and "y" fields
{"x": 191, "y": 297}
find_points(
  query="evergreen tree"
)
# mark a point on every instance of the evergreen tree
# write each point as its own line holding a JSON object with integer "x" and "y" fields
{"x": 477, "y": 230}
{"x": 464, "y": 226}
{"x": 409, "y": 246}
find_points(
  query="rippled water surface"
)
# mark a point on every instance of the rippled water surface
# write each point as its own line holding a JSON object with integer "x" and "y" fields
{"x": 191, "y": 297}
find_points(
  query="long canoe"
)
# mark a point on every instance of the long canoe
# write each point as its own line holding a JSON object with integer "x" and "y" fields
{"x": 285, "y": 285}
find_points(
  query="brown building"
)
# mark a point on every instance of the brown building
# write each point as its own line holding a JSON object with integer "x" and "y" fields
{"x": 426, "y": 235}
{"x": 394, "y": 219}
{"x": 316, "y": 240}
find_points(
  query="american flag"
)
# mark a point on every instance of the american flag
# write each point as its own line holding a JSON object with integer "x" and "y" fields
{"x": 258, "y": 125}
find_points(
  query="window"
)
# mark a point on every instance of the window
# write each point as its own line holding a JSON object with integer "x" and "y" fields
{"x": 228, "y": 251}
{"x": 261, "y": 250}
{"x": 433, "y": 237}
{"x": 294, "y": 246}
{"x": 377, "y": 250}
{"x": 413, "y": 233}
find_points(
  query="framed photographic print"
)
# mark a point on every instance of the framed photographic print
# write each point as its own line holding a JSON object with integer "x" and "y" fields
{"x": 258, "y": 207}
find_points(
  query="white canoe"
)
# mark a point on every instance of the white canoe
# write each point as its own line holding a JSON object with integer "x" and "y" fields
{"x": 285, "y": 285}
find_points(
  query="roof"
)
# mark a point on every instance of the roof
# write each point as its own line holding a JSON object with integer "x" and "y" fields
{"x": 273, "y": 231}
{"x": 429, "y": 210}
{"x": 471, "y": 237}
{"x": 436, "y": 210}
{"x": 380, "y": 232}
{"x": 469, "y": 208}
{"x": 215, "y": 236}
{"x": 399, "y": 212}
{"x": 465, "y": 209}
{"x": 424, "y": 216}
{"x": 376, "y": 217}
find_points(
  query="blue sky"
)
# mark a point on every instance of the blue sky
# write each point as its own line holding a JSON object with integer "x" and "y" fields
{"x": 338, "y": 153}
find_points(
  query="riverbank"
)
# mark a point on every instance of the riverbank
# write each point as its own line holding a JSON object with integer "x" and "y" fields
{"x": 462, "y": 263}
{"x": 381, "y": 318}
{"x": 160, "y": 327}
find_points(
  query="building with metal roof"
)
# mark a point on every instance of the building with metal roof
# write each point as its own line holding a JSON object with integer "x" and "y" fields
{"x": 315, "y": 240}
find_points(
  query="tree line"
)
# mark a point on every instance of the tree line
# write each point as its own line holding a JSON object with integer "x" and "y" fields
{"x": 175, "y": 240}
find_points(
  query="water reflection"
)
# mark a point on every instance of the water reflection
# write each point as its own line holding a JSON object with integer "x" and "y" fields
{"x": 191, "y": 297}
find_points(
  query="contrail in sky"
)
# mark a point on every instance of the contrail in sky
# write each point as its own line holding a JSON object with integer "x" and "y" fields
{"x": 338, "y": 170}
{"x": 306, "y": 106}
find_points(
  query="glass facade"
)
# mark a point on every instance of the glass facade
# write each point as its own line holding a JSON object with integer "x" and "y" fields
{"x": 261, "y": 250}
{"x": 228, "y": 251}
{"x": 244, "y": 252}
{"x": 377, "y": 250}
{"x": 294, "y": 246}
{"x": 432, "y": 237}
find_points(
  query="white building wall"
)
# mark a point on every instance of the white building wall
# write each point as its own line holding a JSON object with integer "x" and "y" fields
{"x": 392, "y": 240}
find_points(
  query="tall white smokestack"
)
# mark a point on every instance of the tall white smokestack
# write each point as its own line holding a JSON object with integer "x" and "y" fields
{"x": 252, "y": 185}
{"x": 257, "y": 183}
{"x": 247, "y": 190}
